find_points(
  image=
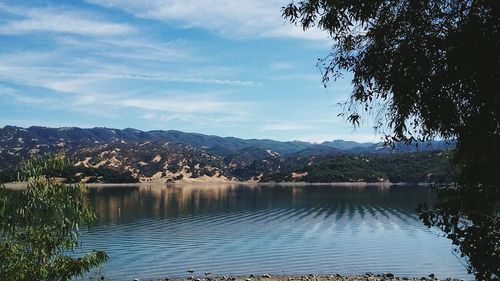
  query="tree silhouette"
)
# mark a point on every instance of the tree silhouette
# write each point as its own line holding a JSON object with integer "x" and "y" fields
{"x": 426, "y": 69}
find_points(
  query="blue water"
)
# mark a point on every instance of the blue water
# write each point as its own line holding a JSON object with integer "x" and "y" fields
{"x": 160, "y": 231}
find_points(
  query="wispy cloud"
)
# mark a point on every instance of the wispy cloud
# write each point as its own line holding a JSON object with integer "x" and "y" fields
{"x": 218, "y": 66}
{"x": 61, "y": 79}
{"x": 229, "y": 18}
{"x": 197, "y": 109}
{"x": 286, "y": 126}
{"x": 20, "y": 97}
{"x": 136, "y": 49}
{"x": 99, "y": 86}
{"x": 282, "y": 65}
{"x": 59, "y": 20}
{"x": 198, "y": 103}
{"x": 319, "y": 138}
{"x": 80, "y": 66}
{"x": 310, "y": 77}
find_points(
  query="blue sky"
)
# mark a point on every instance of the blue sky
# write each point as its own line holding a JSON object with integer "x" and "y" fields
{"x": 223, "y": 67}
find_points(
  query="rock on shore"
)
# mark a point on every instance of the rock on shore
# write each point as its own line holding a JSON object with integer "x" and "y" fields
{"x": 309, "y": 277}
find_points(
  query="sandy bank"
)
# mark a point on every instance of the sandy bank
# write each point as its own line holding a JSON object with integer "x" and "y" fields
{"x": 181, "y": 183}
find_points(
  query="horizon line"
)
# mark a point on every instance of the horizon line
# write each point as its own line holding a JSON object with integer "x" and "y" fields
{"x": 187, "y": 132}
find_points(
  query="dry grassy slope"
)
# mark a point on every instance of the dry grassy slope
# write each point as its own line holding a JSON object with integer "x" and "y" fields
{"x": 154, "y": 161}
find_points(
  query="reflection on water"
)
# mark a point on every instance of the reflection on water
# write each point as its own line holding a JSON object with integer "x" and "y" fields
{"x": 161, "y": 231}
{"x": 124, "y": 204}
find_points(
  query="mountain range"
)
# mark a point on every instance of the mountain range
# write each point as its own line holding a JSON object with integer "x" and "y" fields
{"x": 114, "y": 155}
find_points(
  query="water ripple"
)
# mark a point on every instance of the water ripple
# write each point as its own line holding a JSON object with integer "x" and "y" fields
{"x": 159, "y": 232}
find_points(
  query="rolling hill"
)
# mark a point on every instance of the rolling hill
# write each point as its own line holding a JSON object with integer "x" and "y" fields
{"x": 113, "y": 155}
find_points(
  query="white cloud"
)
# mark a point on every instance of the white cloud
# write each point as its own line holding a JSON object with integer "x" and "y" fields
{"x": 59, "y": 20}
{"x": 230, "y": 18}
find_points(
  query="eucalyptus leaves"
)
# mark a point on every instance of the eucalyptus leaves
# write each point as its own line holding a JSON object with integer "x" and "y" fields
{"x": 40, "y": 225}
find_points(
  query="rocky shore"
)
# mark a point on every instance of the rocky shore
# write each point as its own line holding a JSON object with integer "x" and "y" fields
{"x": 309, "y": 277}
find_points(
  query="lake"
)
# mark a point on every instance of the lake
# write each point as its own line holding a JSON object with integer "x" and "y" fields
{"x": 163, "y": 231}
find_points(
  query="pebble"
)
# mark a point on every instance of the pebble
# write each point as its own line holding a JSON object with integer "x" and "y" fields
{"x": 388, "y": 275}
{"x": 368, "y": 276}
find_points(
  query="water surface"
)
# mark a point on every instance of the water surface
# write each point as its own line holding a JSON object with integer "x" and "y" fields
{"x": 162, "y": 231}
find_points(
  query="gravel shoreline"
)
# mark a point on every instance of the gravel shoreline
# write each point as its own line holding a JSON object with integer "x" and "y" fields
{"x": 309, "y": 277}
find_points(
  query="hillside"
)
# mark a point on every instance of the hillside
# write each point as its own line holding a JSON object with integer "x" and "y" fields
{"x": 112, "y": 155}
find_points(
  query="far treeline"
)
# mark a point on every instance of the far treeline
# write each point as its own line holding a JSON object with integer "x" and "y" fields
{"x": 423, "y": 167}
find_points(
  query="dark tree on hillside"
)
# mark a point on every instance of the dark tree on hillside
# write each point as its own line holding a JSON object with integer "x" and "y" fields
{"x": 425, "y": 69}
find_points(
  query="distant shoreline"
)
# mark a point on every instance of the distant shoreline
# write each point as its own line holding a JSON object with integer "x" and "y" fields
{"x": 297, "y": 184}
{"x": 19, "y": 186}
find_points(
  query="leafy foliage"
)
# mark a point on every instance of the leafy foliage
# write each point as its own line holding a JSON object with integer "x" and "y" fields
{"x": 431, "y": 65}
{"x": 423, "y": 69}
{"x": 39, "y": 226}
